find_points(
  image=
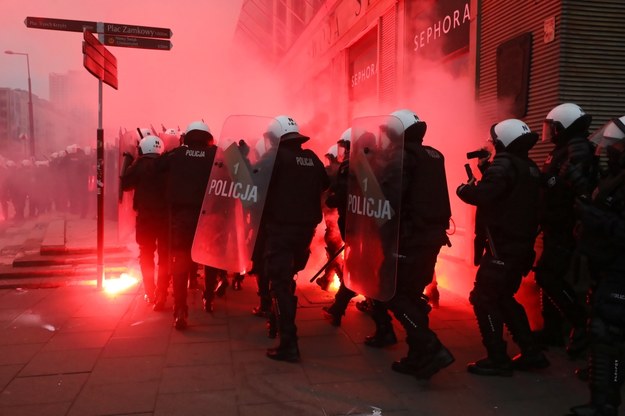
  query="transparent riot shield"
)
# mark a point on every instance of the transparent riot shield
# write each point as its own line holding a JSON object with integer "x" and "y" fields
{"x": 374, "y": 200}
{"x": 128, "y": 143}
{"x": 235, "y": 196}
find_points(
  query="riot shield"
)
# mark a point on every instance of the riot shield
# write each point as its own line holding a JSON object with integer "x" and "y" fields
{"x": 127, "y": 143}
{"x": 235, "y": 196}
{"x": 374, "y": 200}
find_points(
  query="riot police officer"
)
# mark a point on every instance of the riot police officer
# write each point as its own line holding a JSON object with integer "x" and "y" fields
{"x": 507, "y": 198}
{"x": 424, "y": 218}
{"x": 291, "y": 214}
{"x": 151, "y": 223}
{"x": 602, "y": 240}
{"x": 337, "y": 199}
{"x": 188, "y": 168}
{"x": 569, "y": 172}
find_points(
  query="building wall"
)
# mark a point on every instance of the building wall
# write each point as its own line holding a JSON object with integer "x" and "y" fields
{"x": 576, "y": 56}
{"x": 592, "y": 58}
{"x": 498, "y": 22}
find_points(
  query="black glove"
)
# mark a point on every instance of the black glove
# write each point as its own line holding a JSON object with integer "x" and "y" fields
{"x": 244, "y": 147}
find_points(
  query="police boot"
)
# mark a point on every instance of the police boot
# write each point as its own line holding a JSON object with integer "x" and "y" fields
{"x": 180, "y": 319}
{"x": 530, "y": 359}
{"x": 384, "y": 333}
{"x": 531, "y": 356}
{"x": 222, "y": 285}
{"x": 237, "y": 282}
{"x": 606, "y": 378}
{"x": 424, "y": 361}
{"x": 497, "y": 362}
{"x": 285, "y": 307}
{"x": 364, "y": 305}
{"x": 332, "y": 314}
{"x": 335, "y": 312}
{"x": 149, "y": 288}
{"x": 263, "y": 310}
{"x": 159, "y": 303}
{"x": 552, "y": 334}
{"x": 208, "y": 302}
{"x": 384, "y": 336}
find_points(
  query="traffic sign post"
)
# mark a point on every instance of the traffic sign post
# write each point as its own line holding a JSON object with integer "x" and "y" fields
{"x": 103, "y": 65}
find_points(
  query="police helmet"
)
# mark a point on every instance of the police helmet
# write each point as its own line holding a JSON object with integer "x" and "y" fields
{"x": 563, "y": 121}
{"x": 285, "y": 128}
{"x": 610, "y": 141}
{"x": 197, "y": 131}
{"x": 333, "y": 152}
{"x": 151, "y": 145}
{"x": 405, "y": 122}
{"x": 509, "y": 131}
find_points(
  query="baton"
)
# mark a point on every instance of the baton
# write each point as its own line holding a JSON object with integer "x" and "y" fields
{"x": 325, "y": 266}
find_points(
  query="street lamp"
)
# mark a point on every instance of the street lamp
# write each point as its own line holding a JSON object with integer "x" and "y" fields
{"x": 30, "y": 103}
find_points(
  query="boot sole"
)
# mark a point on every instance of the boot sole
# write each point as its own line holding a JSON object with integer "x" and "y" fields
{"x": 425, "y": 372}
{"x": 437, "y": 365}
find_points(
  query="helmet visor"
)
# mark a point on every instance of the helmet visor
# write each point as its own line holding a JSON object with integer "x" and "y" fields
{"x": 549, "y": 130}
{"x": 605, "y": 137}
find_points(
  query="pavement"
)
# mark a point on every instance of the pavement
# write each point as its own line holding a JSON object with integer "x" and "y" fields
{"x": 69, "y": 348}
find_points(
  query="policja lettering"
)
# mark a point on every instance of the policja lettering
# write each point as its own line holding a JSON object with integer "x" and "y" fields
{"x": 195, "y": 153}
{"x": 370, "y": 207}
{"x": 304, "y": 161}
{"x": 235, "y": 190}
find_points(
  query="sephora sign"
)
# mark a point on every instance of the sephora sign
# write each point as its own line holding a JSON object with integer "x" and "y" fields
{"x": 439, "y": 31}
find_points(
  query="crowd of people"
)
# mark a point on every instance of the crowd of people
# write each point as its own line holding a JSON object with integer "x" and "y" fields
{"x": 383, "y": 194}
{"x": 64, "y": 182}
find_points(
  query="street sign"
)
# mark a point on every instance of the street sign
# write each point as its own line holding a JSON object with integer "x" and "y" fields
{"x": 99, "y": 61}
{"x": 108, "y": 28}
{"x": 132, "y": 42}
{"x": 138, "y": 31}
{"x": 59, "y": 24}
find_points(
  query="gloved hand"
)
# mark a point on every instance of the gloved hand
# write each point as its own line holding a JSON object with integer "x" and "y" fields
{"x": 483, "y": 162}
{"x": 244, "y": 147}
{"x": 462, "y": 186}
{"x": 129, "y": 157}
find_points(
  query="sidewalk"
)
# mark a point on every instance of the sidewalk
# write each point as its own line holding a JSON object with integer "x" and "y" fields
{"x": 75, "y": 350}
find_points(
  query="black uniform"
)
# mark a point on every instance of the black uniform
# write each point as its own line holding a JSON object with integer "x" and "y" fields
{"x": 188, "y": 168}
{"x": 569, "y": 172}
{"x": 507, "y": 198}
{"x": 291, "y": 214}
{"x": 152, "y": 231}
{"x": 424, "y": 218}
{"x": 337, "y": 198}
{"x": 603, "y": 242}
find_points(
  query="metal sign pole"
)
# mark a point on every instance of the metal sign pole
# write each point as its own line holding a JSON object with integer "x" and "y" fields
{"x": 100, "y": 182}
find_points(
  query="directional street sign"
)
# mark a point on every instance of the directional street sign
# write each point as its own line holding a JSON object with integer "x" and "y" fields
{"x": 140, "y": 31}
{"x": 99, "y": 61}
{"x": 109, "y": 28}
{"x": 132, "y": 42}
{"x": 59, "y": 24}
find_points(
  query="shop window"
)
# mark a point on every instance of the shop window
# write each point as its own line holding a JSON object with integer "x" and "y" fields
{"x": 513, "y": 70}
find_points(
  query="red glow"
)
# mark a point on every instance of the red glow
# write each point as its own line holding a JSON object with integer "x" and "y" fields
{"x": 115, "y": 286}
